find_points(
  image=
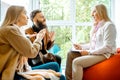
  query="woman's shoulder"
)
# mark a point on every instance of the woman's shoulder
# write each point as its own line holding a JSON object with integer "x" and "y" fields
{"x": 110, "y": 26}
{"x": 8, "y": 28}
{"x": 107, "y": 23}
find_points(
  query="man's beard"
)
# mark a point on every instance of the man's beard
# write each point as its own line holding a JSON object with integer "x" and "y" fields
{"x": 40, "y": 25}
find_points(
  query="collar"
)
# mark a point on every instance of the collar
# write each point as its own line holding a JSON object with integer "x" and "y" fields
{"x": 35, "y": 28}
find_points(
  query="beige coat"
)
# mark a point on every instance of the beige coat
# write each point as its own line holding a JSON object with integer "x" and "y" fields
{"x": 46, "y": 39}
{"x": 13, "y": 45}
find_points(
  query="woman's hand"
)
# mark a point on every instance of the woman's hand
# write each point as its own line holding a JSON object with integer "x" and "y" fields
{"x": 41, "y": 34}
{"x": 84, "y": 52}
{"x": 77, "y": 47}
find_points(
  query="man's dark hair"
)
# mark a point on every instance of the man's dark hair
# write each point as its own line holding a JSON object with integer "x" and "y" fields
{"x": 33, "y": 13}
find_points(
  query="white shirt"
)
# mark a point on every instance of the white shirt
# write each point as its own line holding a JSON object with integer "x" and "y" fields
{"x": 103, "y": 41}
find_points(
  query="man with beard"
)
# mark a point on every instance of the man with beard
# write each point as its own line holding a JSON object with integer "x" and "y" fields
{"x": 39, "y": 23}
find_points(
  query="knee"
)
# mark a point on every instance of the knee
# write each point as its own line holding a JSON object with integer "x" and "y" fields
{"x": 76, "y": 63}
{"x": 58, "y": 57}
{"x": 70, "y": 54}
{"x": 55, "y": 65}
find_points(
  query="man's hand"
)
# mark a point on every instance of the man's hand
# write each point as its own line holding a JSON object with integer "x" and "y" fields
{"x": 52, "y": 36}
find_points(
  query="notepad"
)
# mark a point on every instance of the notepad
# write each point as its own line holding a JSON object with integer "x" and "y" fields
{"x": 78, "y": 51}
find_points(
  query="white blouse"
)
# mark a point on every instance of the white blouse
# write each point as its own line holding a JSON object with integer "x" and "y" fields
{"x": 103, "y": 41}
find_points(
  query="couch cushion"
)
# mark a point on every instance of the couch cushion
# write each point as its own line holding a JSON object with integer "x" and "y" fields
{"x": 106, "y": 70}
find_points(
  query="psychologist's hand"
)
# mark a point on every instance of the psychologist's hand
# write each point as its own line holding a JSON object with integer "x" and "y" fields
{"x": 77, "y": 46}
{"x": 84, "y": 52}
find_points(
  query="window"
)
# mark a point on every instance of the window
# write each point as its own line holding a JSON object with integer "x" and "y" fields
{"x": 4, "y": 4}
{"x": 70, "y": 19}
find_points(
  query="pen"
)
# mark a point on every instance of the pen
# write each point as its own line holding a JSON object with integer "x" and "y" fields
{"x": 71, "y": 40}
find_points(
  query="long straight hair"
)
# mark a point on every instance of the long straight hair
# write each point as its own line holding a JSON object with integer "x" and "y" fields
{"x": 102, "y": 12}
{"x": 12, "y": 15}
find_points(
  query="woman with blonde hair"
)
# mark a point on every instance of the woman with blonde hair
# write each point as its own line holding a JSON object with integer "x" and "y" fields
{"x": 15, "y": 48}
{"x": 101, "y": 47}
{"x": 13, "y": 44}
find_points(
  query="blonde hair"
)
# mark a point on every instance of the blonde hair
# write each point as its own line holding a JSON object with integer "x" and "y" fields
{"x": 12, "y": 15}
{"x": 102, "y": 12}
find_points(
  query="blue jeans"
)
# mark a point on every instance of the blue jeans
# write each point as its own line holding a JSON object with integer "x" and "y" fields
{"x": 62, "y": 77}
{"x": 50, "y": 65}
